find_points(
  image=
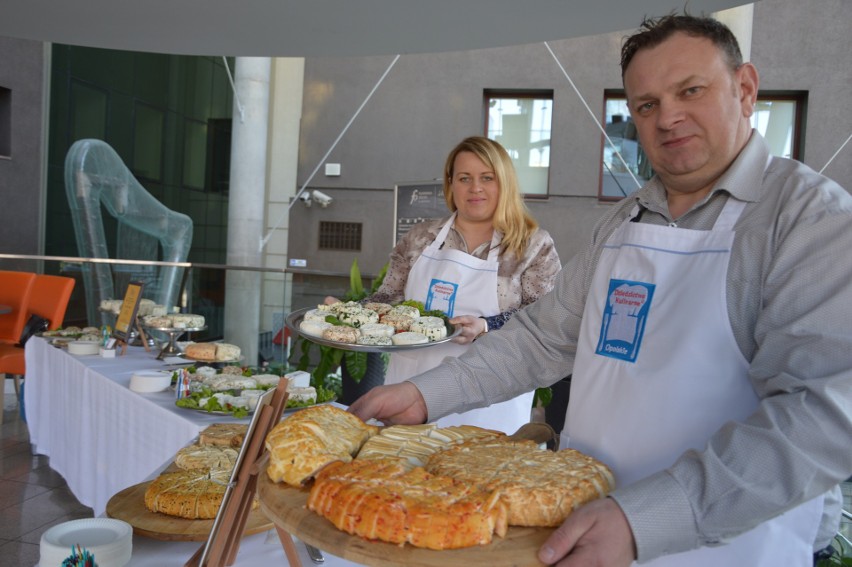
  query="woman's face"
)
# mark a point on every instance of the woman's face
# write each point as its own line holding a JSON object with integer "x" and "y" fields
{"x": 474, "y": 187}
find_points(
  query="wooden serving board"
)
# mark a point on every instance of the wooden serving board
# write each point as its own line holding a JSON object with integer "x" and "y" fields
{"x": 286, "y": 506}
{"x": 129, "y": 506}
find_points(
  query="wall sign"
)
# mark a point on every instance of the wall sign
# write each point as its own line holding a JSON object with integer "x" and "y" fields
{"x": 416, "y": 202}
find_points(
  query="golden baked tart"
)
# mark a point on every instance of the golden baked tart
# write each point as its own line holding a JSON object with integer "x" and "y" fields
{"x": 195, "y": 495}
{"x": 382, "y": 499}
{"x": 310, "y": 439}
{"x": 540, "y": 487}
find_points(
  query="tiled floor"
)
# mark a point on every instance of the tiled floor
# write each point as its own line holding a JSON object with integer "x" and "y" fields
{"x": 33, "y": 497}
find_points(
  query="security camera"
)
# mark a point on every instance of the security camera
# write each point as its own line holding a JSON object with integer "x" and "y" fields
{"x": 321, "y": 198}
{"x": 305, "y": 197}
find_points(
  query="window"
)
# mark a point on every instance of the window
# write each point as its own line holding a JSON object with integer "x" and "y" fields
{"x": 777, "y": 116}
{"x": 624, "y": 165}
{"x": 521, "y": 121}
{"x": 88, "y": 112}
{"x": 194, "y": 153}
{"x": 148, "y": 127}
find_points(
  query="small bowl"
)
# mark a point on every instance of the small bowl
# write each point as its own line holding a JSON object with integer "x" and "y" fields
{"x": 150, "y": 381}
{"x": 84, "y": 347}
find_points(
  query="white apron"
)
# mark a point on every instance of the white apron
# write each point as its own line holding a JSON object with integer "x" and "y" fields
{"x": 458, "y": 284}
{"x": 658, "y": 371}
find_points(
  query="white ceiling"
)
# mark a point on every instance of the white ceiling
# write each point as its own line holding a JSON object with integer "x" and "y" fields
{"x": 324, "y": 27}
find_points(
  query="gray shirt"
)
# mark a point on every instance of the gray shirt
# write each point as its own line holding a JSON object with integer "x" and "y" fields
{"x": 789, "y": 297}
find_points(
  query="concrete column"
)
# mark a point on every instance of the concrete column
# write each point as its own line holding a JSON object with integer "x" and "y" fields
{"x": 739, "y": 20}
{"x": 246, "y": 203}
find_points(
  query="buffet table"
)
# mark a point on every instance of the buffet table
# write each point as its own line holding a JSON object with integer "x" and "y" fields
{"x": 99, "y": 435}
{"x": 103, "y": 437}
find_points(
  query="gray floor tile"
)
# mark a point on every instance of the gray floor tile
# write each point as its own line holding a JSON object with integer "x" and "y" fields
{"x": 9, "y": 447}
{"x": 40, "y": 510}
{"x": 42, "y": 476}
{"x": 13, "y": 493}
{"x": 20, "y": 464}
{"x": 19, "y": 554}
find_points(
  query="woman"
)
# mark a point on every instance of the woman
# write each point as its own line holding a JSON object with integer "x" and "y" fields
{"x": 482, "y": 264}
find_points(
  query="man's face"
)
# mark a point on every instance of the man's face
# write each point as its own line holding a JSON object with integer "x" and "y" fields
{"x": 692, "y": 112}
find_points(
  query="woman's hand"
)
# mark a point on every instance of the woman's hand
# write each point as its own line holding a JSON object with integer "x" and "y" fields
{"x": 392, "y": 404}
{"x": 471, "y": 327}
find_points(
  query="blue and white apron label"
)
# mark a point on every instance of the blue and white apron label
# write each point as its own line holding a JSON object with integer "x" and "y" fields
{"x": 441, "y": 296}
{"x": 624, "y": 317}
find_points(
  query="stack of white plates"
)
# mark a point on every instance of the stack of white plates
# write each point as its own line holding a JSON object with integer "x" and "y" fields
{"x": 83, "y": 347}
{"x": 147, "y": 381}
{"x": 110, "y": 541}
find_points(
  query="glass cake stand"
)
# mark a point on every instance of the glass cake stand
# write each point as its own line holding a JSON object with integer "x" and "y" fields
{"x": 171, "y": 348}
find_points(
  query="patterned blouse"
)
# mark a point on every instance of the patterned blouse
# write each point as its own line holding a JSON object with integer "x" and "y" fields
{"x": 520, "y": 281}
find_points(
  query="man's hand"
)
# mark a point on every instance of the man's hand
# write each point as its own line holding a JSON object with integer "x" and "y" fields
{"x": 595, "y": 535}
{"x": 394, "y": 404}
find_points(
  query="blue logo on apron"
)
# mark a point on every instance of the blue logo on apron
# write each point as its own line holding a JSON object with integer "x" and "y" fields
{"x": 624, "y": 317}
{"x": 441, "y": 296}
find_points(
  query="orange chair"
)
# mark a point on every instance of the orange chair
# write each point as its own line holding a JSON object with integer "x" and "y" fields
{"x": 49, "y": 298}
{"x": 15, "y": 289}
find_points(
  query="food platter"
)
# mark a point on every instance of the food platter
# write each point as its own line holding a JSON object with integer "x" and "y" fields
{"x": 294, "y": 320}
{"x": 286, "y": 506}
{"x": 251, "y": 412}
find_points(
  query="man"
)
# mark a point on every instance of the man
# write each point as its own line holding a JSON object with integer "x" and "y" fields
{"x": 705, "y": 326}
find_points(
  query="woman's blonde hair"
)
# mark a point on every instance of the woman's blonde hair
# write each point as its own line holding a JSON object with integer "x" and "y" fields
{"x": 512, "y": 218}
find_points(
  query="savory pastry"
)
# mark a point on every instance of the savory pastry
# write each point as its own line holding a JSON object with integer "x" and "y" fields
{"x": 201, "y": 351}
{"x": 212, "y": 352}
{"x": 311, "y": 438}
{"x": 416, "y": 443}
{"x": 195, "y": 495}
{"x": 224, "y": 434}
{"x": 382, "y": 499}
{"x": 540, "y": 487}
{"x": 206, "y": 457}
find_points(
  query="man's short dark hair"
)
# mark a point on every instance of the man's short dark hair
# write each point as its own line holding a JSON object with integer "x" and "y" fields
{"x": 653, "y": 32}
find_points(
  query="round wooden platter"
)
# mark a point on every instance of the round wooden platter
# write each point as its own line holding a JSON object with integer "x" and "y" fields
{"x": 129, "y": 506}
{"x": 286, "y": 506}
